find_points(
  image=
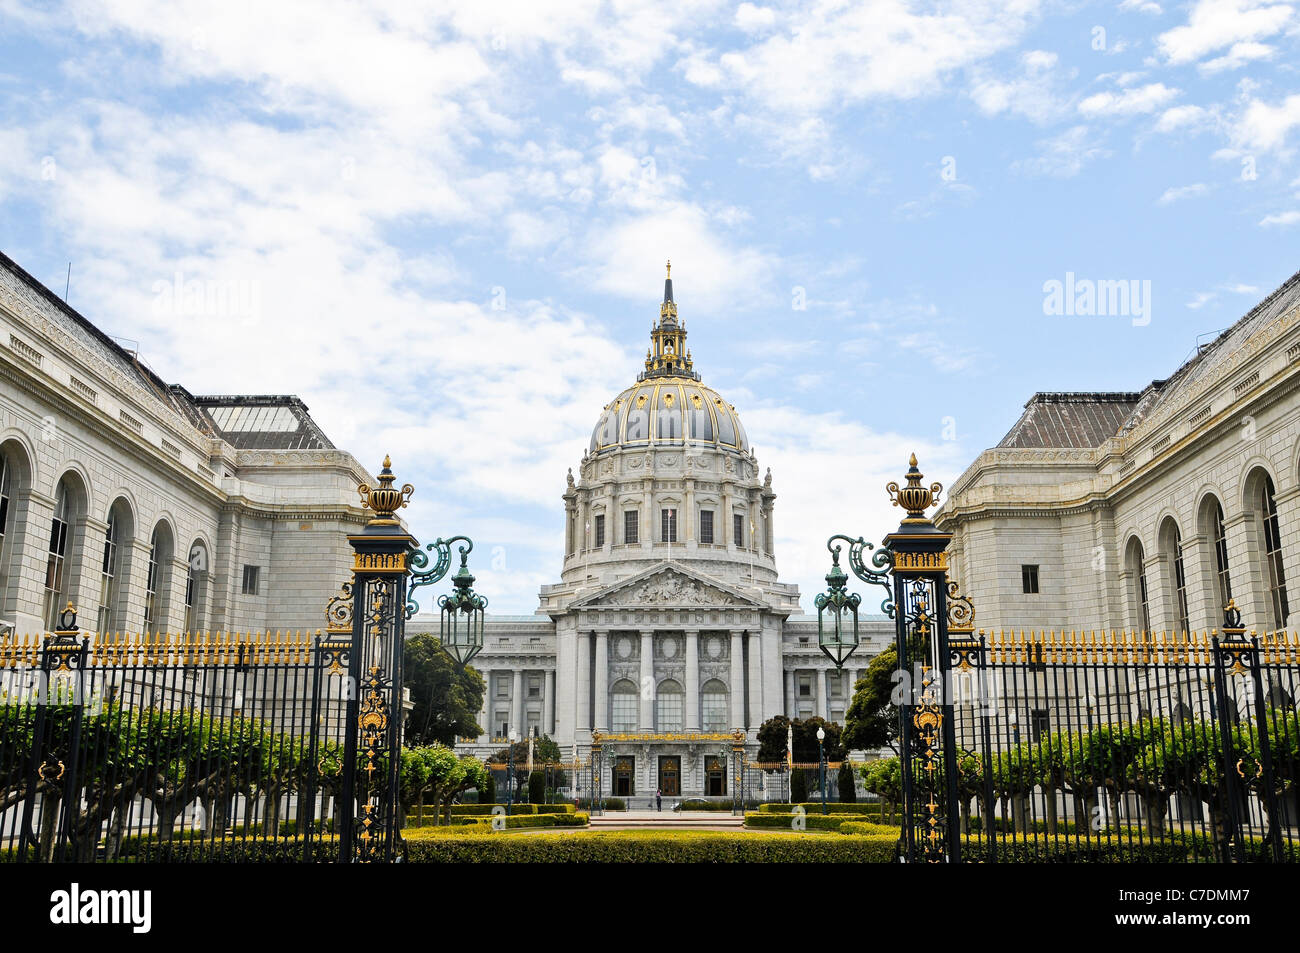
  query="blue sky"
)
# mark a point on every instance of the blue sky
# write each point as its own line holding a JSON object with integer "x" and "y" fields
{"x": 448, "y": 223}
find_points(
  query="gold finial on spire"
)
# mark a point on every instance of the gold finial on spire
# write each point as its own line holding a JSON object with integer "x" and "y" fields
{"x": 388, "y": 461}
{"x": 910, "y": 463}
{"x": 670, "y": 268}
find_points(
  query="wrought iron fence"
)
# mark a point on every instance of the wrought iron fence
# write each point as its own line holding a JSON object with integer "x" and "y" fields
{"x": 1127, "y": 746}
{"x": 139, "y": 747}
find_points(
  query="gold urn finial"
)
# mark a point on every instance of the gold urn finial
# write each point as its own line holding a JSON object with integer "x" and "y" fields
{"x": 914, "y": 497}
{"x": 670, "y": 268}
{"x": 385, "y": 499}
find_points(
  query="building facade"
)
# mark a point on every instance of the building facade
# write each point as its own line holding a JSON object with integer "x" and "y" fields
{"x": 1147, "y": 510}
{"x": 669, "y": 628}
{"x": 150, "y": 508}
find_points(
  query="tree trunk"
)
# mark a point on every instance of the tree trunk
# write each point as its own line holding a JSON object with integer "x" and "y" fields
{"x": 1049, "y": 798}
{"x": 50, "y": 805}
{"x": 1157, "y": 808}
{"x": 271, "y": 820}
{"x": 1020, "y": 813}
{"x": 965, "y": 815}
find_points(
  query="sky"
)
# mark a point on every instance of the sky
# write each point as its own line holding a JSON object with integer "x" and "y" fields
{"x": 444, "y": 226}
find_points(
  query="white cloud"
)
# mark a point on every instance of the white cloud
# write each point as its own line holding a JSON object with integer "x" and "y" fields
{"x": 1141, "y": 6}
{"x": 1182, "y": 117}
{"x": 1128, "y": 102}
{"x": 1177, "y": 193}
{"x": 1237, "y": 57}
{"x": 752, "y": 19}
{"x": 1264, "y": 128}
{"x": 1031, "y": 94}
{"x": 835, "y": 53}
{"x": 1063, "y": 155}
{"x": 1216, "y": 24}
{"x": 1282, "y": 219}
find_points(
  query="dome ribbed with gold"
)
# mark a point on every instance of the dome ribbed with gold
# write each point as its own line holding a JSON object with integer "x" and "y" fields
{"x": 668, "y": 405}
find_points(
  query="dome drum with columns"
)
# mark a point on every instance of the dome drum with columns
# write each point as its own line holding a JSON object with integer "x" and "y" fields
{"x": 669, "y": 628}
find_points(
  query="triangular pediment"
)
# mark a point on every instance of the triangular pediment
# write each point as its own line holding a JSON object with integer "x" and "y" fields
{"x": 669, "y": 587}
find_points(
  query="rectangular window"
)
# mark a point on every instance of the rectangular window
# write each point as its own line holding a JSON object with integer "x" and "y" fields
{"x": 1029, "y": 579}
{"x": 670, "y": 711}
{"x": 503, "y": 686}
{"x": 534, "y": 687}
{"x": 706, "y": 526}
{"x": 1042, "y": 723}
{"x": 805, "y": 686}
{"x": 668, "y": 525}
{"x": 535, "y": 724}
{"x": 713, "y": 711}
{"x": 503, "y": 722}
{"x": 600, "y": 530}
{"x": 631, "y": 527}
{"x": 738, "y": 528}
{"x": 250, "y": 579}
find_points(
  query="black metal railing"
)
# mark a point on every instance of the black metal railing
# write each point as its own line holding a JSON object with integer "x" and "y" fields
{"x": 1127, "y": 746}
{"x": 162, "y": 746}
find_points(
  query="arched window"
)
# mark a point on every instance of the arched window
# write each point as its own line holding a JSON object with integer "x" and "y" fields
{"x": 624, "y": 698}
{"x": 1216, "y": 536}
{"x": 196, "y": 587}
{"x": 108, "y": 574}
{"x": 1270, "y": 542}
{"x": 63, "y": 527}
{"x": 10, "y": 532}
{"x": 158, "y": 578}
{"x": 668, "y": 706}
{"x": 1136, "y": 561}
{"x": 713, "y": 706}
{"x": 1171, "y": 544}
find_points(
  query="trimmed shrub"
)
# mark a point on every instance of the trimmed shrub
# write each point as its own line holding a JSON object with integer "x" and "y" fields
{"x": 869, "y": 829}
{"x": 537, "y": 787}
{"x": 798, "y": 786}
{"x": 812, "y": 821}
{"x": 848, "y": 790}
{"x": 489, "y": 793}
{"x": 833, "y": 807}
{"x": 671, "y": 847}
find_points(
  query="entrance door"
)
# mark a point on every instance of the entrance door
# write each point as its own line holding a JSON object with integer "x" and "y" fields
{"x": 624, "y": 772}
{"x": 670, "y": 775}
{"x": 715, "y": 777}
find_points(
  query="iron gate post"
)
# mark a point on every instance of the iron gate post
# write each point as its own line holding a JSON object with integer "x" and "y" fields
{"x": 920, "y": 569}
{"x": 373, "y": 729}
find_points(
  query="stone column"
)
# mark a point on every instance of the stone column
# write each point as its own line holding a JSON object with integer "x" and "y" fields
{"x": 692, "y": 681}
{"x": 517, "y": 704}
{"x": 548, "y": 704}
{"x": 602, "y": 679}
{"x": 737, "y": 687}
{"x": 647, "y": 686}
{"x": 755, "y": 680}
{"x": 790, "y": 708}
{"x": 485, "y": 710}
{"x": 826, "y": 693}
{"x": 687, "y": 534}
{"x": 582, "y": 697}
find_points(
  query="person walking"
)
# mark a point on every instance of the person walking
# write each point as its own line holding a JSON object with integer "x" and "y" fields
{"x": 659, "y": 800}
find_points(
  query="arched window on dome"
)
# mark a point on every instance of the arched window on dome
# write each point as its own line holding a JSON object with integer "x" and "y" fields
{"x": 668, "y": 418}
{"x": 726, "y": 429}
{"x": 638, "y": 418}
{"x": 701, "y": 421}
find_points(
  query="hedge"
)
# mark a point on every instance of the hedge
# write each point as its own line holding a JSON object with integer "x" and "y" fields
{"x": 811, "y": 821}
{"x": 867, "y": 828}
{"x": 674, "y": 847}
{"x": 517, "y": 808}
{"x": 517, "y": 821}
{"x": 833, "y": 807}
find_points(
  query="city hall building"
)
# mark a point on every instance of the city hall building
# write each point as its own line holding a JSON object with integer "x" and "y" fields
{"x": 669, "y": 627}
{"x": 149, "y": 508}
{"x": 1146, "y": 510}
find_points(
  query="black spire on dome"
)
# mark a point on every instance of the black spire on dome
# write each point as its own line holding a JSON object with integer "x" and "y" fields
{"x": 668, "y": 356}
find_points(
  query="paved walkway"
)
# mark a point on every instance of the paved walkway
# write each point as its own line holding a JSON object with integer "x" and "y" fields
{"x": 667, "y": 820}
